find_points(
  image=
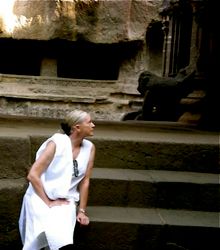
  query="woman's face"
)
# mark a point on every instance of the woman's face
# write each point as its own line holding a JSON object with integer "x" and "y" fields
{"x": 87, "y": 126}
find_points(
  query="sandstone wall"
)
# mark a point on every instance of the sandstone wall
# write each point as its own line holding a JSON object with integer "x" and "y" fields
{"x": 98, "y": 21}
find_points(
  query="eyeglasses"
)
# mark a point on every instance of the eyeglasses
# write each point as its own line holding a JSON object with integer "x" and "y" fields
{"x": 75, "y": 168}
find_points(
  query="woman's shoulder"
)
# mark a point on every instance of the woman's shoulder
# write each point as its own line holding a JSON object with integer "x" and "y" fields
{"x": 60, "y": 139}
{"x": 88, "y": 143}
{"x": 59, "y": 136}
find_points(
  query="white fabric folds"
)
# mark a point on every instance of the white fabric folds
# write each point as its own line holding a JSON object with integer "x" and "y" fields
{"x": 41, "y": 226}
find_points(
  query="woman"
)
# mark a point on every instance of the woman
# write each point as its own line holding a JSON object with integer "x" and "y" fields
{"x": 58, "y": 186}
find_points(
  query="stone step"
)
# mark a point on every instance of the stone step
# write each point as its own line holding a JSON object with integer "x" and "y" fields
{"x": 152, "y": 151}
{"x": 127, "y": 227}
{"x": 152, "y": 229}
{"x": 142, "y": 145}
{"x": 155, "y": 188}
{"x": 162, "y": 155}
{"x": 18, "y": 153}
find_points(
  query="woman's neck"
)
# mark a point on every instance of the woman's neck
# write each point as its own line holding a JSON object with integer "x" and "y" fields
{"x": 76, "y": 141}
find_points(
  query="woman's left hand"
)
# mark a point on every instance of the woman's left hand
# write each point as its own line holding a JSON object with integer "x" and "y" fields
{"x": 83, "y": 219}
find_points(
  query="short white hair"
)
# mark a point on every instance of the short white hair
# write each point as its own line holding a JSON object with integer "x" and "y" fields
{"x": 75, "y": 117}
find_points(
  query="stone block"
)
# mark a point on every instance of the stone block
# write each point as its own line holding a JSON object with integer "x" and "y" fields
{"x": 14, "y": 156}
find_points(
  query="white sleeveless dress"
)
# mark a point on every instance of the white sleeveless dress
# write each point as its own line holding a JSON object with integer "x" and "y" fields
{"x": 41, "y": 226}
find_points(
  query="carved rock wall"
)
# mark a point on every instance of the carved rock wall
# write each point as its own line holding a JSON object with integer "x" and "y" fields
{"x": 100, "y": 21}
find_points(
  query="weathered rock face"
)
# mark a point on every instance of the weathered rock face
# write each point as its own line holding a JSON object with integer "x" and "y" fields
{"x": 98, "y": 21}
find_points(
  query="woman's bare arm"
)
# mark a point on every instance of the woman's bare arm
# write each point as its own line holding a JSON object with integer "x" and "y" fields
{"x": 84, "y": 189}
{"x": 39, "y": 166}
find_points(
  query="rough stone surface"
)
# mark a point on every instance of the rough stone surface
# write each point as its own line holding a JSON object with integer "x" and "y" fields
{"x": 51, "y": 97}
{"x": 15, "y": 157}
{"x": 11, "y": 195}
{"x": 100, "y": 21}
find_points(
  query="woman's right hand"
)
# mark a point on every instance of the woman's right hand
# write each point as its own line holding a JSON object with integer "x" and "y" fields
{"x": 58, "y": 202}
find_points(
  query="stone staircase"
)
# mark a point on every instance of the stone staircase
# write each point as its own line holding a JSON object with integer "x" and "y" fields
{"x": 155, "y": 186}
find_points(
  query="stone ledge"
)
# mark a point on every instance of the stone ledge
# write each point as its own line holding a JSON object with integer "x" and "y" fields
{"x": 153, "y": 229}
{"x": 154, "y": 216}
{"x": 150, "y": 188}
{"x": 51, "y": 96}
